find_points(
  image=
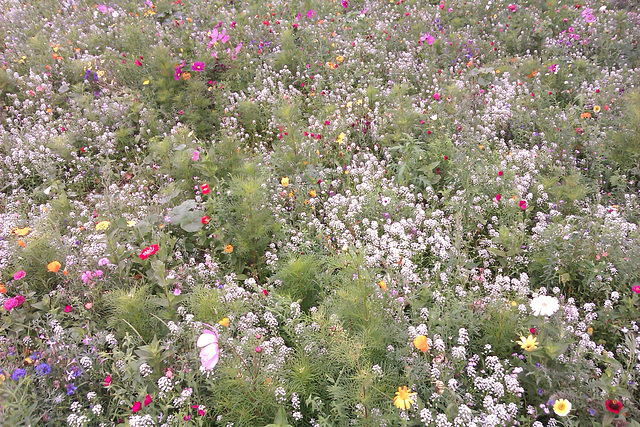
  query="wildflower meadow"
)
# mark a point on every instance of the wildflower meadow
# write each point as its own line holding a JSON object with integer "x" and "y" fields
{"x": 320, "y": 213}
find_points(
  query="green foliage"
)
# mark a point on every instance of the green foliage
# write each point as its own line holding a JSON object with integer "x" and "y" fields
{"x": 128, "y": 313}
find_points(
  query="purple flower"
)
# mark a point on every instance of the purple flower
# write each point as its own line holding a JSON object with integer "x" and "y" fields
{"x": 310, "y": 13}
{"x": 198, "y": 66}
{"x": 345, "y": 4}
{"x": 71, "y": 389}
{"x": 17, "y": 374}
{"x": 43, "y": 369}
{"x": 102, "y": 8}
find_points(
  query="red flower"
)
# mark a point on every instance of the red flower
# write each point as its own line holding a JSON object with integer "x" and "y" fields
{"x": 107, "y": 381}
{"x": 136, "y": 407}
{"x": 500, "y": 173}
{"x": 205, "y": 220}
{"x": 523, "y": 205}
{"x": 148, "y": 251}
{"x": 147, "y": 400}
{"x": 205, "y": 188}
{"x": 498, "y": 197}
{"x": 614, "y": 406}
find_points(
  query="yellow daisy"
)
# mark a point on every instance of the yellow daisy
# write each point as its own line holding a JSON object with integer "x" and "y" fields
{"x": 529, "y": 343}
{"x": 402, "y": 399}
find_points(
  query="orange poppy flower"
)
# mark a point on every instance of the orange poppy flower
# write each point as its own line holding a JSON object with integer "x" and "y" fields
{"x": 421, "y": 343}
{"x": 3, "y": 289}
{"x": 585, "y": 115}
{"x": 53, "y": 267}
{"x": 228, "y": 249}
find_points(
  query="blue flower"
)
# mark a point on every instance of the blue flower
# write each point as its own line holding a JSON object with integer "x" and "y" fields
{"x": 43, "y": 369}
{"x": 71, "y": 389}
{"x": 17, "y": 374}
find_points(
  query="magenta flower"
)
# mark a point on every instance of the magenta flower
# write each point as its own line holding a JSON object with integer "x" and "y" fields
{"x": 523, "y": 204}
{"x": 210, "y": 352}
{"x": 311, "y": 13}
{"x": 138, "y": 63}
{"x": 19, "y": 275}
{"x": 14, "y": 302}
{"x": 636, "y": 289}
{"x": 345, "y": 4}
{"x": 198, "y": 66}
{"x": 195, "y": 156}
{"x": 498, "y": 197}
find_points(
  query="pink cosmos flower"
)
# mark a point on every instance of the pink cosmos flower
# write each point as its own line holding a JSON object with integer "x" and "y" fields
{"x": 210, "y": 352}
{"x": 311, "y": 13}
{"x": 198, "y": 66}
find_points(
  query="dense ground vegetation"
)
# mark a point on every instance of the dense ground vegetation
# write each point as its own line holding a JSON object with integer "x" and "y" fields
{"x": 356, "y": 212}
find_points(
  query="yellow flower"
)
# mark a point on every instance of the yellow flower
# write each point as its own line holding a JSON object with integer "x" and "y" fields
{"x": 562, "y": 407}
{"x": 382, "y": 285}
{"x": 103, "y": 225}
{"x": 590, "y": 330}
{"x": 131, "y": 223}
{"x": 228, "y": 249}
{"x": 312, "y": 193}
{"x": 53, "y": 267}
{"x": 528, "y": 344}
{"x": 402, "y": 399}
{"x": 224, "y": 322}
{"x": 421, "y": 343}
{"x": 285, "y": 181}
{"x": 341, "y": 138}
{"x": 21, "y": 231}
{"x": 339, "y": 58}
{"x": 596, "y": 108}
{"x": 28, "y": 360}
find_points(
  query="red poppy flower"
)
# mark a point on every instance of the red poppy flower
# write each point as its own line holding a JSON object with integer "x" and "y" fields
{"x": 148, "y": 251}
{"x": 205, "y": 220}
{"x": 205, "y": 188}
{"x": 614, "y": 406}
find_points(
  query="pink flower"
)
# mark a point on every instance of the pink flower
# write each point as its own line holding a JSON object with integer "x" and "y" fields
{"x": 500, "y": 173}
{"x": 19, "y": 275}
{"x": 10, "y": 304}
{"x": 67, "y": 309}
{"x": 107, "y": 381}
{"x": 195, "y": 156}
{"x": 148, "y": 251}
{"x": 138, "y": 63}
{"x": 198, "y": 66}
{"x": 345, "y": 4}
{"x": 636, "y": 289}
{"x": 210, "y": 352}
{"x": 136, "y": 407}
{"x": 147, "y": 400}
{"x": 498, "y": 197}
{"x": 436, "y": 96}
{"x": 86, "y": 276}
{"x": 310, "y": 14}
{"x": 523, "y": 204}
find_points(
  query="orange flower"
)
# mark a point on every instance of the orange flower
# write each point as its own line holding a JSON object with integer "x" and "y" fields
{"x": 21, "y": 243}
{"x": 312, "y": 193}
{"x": 421, "y": 343}
{"x": 224, "y": 322}
{"x": 382, "y": 285}
{"x": 228, "y": 249}
{"x": 186, "y": 76}
{"x": 585, "y": 115}
{"x": 53, "y": 267}
{"x": 3, "y": 289}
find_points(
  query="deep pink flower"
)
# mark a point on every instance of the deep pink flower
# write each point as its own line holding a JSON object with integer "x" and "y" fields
{"x": 195, "y": 156}
{"x": 147, "y": 400}
{"x": 138, "y": 63}
{"x": 148, "y": 251}
{"x": 67, "y": 309}
{"x": 523, "y": 204}
{"x": 198, "y": 66}
{"x": 498, "y": 197}
{"x": 636, "y": 289}
{"x": 136, "y": 407}
{"x": 107, "y": 381}
{"x": 19, "y": 275}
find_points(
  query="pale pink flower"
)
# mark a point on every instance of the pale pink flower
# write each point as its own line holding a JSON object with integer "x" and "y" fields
{"x": 210, "y": 352}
